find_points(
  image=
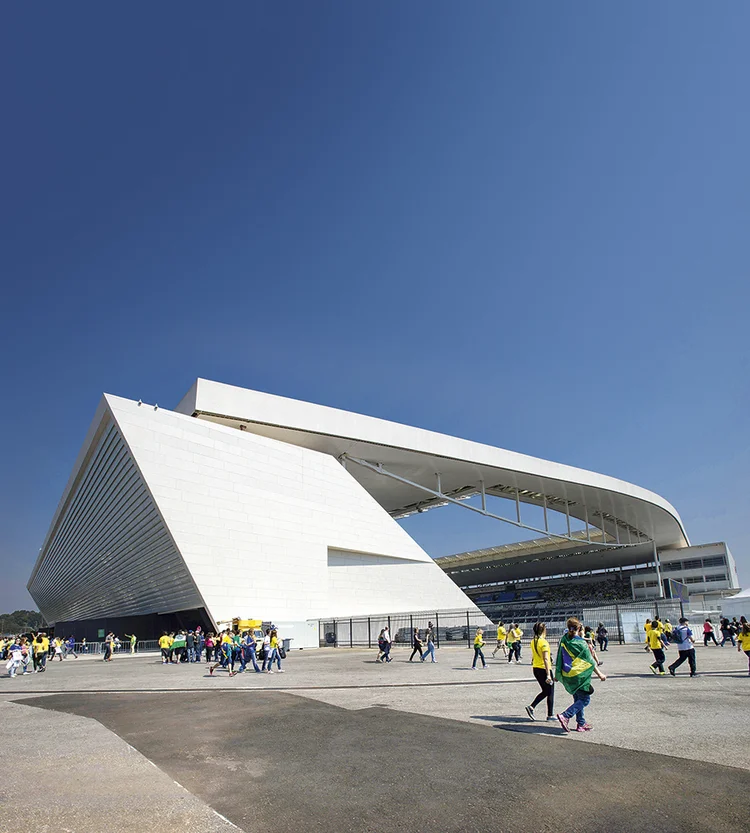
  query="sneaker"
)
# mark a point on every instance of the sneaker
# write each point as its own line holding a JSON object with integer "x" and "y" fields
{"x": 653, "y": 669}
{"x": 563, "y": 722}
{"x": 662, "y": 673}
{"x": 280, "y": 671}
{"x": 671, "y": 670}
{"x": 551, "y": 718}
{"x": 584, "y": 727}
{"x": 530, "y": 712}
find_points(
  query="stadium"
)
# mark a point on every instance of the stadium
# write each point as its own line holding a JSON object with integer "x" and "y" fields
{"x": 242, "y": 503}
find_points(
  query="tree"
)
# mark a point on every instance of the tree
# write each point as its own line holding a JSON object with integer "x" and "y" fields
{"x": 21, "y": 621}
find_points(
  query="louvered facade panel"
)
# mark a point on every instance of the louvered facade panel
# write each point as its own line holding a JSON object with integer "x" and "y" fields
{"x": 110, "y": 553}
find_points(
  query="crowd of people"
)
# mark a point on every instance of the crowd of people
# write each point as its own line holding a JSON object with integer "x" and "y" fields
{"x": 30, "y": 654}
{"x": 230, "y": 650}
{"x": 661, "y": 636}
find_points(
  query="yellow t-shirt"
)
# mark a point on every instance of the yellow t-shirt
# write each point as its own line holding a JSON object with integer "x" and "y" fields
{"x": 744, "y": 641}
{"x": 538, "y": 647}
{"x": 654, "y": 639}
{"x": 226, "y": 638}
{"x": 668, "y": 627}
{"x": 501, "y": 633}
{"x": 164, "y": 642}
{"x": 274, "y": 642}
{"x": 41, "y": 647}
{"x": 515, "y": 634}
{"x": 478, "y": 641}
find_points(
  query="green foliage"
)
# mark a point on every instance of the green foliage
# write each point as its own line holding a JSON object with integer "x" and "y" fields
{"x": 21, "y": 621}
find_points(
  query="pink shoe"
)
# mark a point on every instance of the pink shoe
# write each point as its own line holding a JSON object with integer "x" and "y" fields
{"x": 586, "y": 727}
{"x": 563, "y": 722}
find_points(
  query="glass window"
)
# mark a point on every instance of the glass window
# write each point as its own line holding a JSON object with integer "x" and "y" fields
{"x": 717, "y": 577}
{"x": 693, "y": 580}
{"x": 650, "y": 584}
{"x": 672, "y": 566}
{"x": 714, "y": 561}
{"x": 694, "y": 564}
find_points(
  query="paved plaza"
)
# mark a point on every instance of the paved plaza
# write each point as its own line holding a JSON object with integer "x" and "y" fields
{"x": 339, "y": 742}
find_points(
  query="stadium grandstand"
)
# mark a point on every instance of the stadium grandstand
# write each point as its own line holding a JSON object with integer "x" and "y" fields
{"x": 552, "y": 578}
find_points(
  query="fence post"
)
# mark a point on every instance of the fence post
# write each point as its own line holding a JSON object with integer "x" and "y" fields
{"x": 335, "y": 634}
{"x": 682, "y": 610}
{"x": 656, "y": 605}
{"x": 619, "y": 624}
{"x": 468, "y": 629}
{"x": 437, "y": 630}
{"x": 351, "y": 634}
{"x": 389, "y": 627}
{"x": 369, "y": 634}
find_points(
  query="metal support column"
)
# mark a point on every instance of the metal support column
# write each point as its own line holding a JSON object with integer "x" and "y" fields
{"x": 484, "y": 495}
{"x": 437, "y": 630}
{"x": 619, "y": 624}
{"x": 518, "y": 506}
{"x": 351, "y": 634}
{"x": 468, "y": 629}
{"x": 369, "y": 633}
{"x": 658, "y": 571}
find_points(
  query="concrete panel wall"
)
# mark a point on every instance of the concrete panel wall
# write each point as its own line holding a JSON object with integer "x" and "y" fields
{"x": 254, "y": 519}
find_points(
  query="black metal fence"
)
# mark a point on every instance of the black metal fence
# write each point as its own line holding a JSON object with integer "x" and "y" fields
{"x": 623, "y": 620}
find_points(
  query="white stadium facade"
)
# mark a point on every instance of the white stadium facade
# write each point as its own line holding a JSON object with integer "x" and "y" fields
{"x": 245, "y": 504}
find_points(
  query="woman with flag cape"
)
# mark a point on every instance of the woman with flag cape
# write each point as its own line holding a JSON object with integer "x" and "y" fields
{"x": 573, "y": 669}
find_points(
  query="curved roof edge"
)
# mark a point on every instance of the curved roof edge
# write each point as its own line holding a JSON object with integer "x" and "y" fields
{"x": 216, "y": 399}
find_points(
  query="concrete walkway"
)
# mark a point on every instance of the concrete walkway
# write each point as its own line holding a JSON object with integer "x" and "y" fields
{"x": 341, "y": 743}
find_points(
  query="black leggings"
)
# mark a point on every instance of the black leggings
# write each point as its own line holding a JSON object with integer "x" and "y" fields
{"x": 658, "y": 659}
{"x": 515, "y": 651}
{"x": 709, "y": 635}
{"x": 417, "y": 648}
{"x": 547, "y": 693}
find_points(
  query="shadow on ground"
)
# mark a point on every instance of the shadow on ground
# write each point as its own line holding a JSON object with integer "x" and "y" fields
{"x": 282, "y": 763}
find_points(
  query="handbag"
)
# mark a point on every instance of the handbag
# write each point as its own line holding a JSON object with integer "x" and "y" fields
{"x": 282, "y": 652}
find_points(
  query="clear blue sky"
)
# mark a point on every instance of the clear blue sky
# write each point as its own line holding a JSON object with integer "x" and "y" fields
{"x": 525, "y": 224}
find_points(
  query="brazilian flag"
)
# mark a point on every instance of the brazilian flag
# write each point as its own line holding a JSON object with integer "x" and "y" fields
{"x": 575, "y": 665}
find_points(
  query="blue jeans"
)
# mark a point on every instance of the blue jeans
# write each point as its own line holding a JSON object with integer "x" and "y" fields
{"x": 275, "y": 655}
{"x": 249, "y": 654}
{"x": 429, "y": 650}
{"x": 478, "y": 655}
{"x": 580, "y": 701}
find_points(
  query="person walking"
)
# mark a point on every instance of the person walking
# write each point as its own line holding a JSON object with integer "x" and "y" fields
{"x": 40, "y": 647}
{"x": 70, "y": 647}
{"x": 574, "y": 667}
{"x": 249, "y": 649}
{"x": 429, "y": 636}
{"x": 478, "y": 644}
{"x": 682, "y": 639}
{"x": 647, "y": 628}
{"x": 209, "y": 647}
{"x": 708, "y": 633}
{"x": 276, "y": 651}
{"x": 387, "y": 644}
{"x": 165, "y": 643}
{"x": 514, "y": 641}
{"x": 502, "y": 635}
{"x": 416, "y": 644}
{"x": 743, "y": 641}
{"x": 541, "y": 667}
{"x": 133, "y": 640}
{"x": 657, "y": 645}
{"x": 726, "y": 632}
{"x": 109, "y": 641}
{"x": 601, "y": 637}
